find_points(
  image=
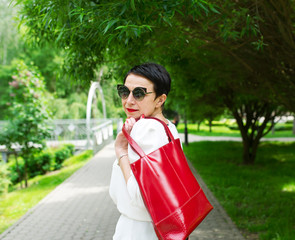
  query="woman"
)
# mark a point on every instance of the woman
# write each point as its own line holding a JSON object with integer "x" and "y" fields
{"x": 144, "y": 92}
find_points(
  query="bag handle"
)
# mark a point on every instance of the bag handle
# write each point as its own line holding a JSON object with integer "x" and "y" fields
{"x": 168, "y": 132}
{"x": 135, "y": 146}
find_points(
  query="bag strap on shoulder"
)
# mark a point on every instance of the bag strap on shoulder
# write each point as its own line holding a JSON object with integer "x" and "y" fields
{"x": 136, "y": 147}
{"x": 168, "y": 132}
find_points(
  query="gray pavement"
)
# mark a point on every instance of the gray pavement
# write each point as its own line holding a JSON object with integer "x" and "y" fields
{"x": 80, "y": 208}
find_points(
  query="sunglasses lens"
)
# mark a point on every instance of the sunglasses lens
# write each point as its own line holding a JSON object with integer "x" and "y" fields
{"x": 123, "y": 92}
{"x": 138, "y": 94}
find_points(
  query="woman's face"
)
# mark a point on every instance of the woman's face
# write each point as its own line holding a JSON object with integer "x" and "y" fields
{"x": 149, "y": 106}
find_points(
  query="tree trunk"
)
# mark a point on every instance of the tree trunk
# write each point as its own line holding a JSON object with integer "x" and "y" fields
{"x": 249, "y": 151}
{"x": 199, "y": 125}
{"x": 210, "y": 125}
{"x": 26, "y": 173}
{"x": 294, "y": 125}
{"x": 273, "y": 130}
{"x": 185, "y": 132}
{"x": 248, "y": 118}
{"x": 18, "y": 171}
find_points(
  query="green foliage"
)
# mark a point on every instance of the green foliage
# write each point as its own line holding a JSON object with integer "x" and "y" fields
{"x": 40, "y": 163}
{"x": 71, "y": 148}
{"x": 76, "y": 27}
{"x": 9, "y": 37}
{"x": 16, "y": 170}
{"x": 4, "y": 179}
{"x": 72, "y": 107}
{"x": 47, "y": 57}
{"x": 227, "y": 39}
{"x": 226, "y": 128}
{"x": 61, "y": 155}
{"x": 59, "y": 109}
{"x": 78, "y": 111}
{"x": 28, "y": 126}
{"x": 78, "y": 159}
{"x": 5, "y": 77}
{"x": 284, "y": 127}
{"x": 255, "y": 197}
{"x": 222, "y": 53}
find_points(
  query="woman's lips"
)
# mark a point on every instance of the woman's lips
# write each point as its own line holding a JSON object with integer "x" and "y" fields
{"x": 131, "y": 110}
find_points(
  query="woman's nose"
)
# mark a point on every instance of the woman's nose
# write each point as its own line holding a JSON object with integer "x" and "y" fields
{"x": 130, "y": 98}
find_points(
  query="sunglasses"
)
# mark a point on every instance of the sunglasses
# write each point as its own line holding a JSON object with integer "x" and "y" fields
{"x": 138, "y": 92}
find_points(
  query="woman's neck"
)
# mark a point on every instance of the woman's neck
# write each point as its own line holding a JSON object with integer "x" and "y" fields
{"x": 161, "y": 117}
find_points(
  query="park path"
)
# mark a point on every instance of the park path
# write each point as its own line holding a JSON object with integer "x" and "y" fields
{"x": 80, "y": 208}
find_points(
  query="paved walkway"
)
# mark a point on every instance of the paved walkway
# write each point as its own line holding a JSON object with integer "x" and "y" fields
{"x": 80, "y": 208}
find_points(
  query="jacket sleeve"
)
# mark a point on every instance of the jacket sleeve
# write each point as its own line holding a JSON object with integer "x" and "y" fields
{"x": 149, "y": 135}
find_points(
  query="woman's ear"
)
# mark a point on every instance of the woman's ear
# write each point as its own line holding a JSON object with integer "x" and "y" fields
{"x": 160, "y": 100}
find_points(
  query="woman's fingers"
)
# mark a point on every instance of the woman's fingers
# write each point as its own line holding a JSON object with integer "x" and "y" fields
{"x": 129, "y": 124}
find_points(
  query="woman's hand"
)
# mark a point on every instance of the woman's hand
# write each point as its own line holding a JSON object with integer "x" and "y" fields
{"x": 121, "y": 148}
{"x": 121, "y": 143}
{"x": 129, "y": 124}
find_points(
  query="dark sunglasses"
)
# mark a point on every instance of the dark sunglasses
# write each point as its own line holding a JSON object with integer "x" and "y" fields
{"x": 138, "y": 92}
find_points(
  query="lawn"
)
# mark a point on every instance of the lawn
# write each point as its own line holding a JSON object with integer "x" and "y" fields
{"x": 259, "y": 198}
{"x": 219, "y": 129}
{"x": 18, "y": 201}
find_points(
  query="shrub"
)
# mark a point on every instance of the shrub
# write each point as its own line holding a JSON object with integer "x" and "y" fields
{"x": 61, "y": 154}
{"x": 4, "y": 178}
{"x": 16, "y": 175}
{"x": 71, "y": 147}
{"x": 40, "y": 163}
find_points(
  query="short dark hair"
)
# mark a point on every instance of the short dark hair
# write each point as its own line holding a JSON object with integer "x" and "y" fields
{"x": 156, "y": 73}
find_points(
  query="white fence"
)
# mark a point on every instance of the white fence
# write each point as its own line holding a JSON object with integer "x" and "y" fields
{"x": 75, "y": 131}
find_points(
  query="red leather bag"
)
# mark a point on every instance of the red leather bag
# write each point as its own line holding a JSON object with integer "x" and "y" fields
{"x": 172, "y": 195}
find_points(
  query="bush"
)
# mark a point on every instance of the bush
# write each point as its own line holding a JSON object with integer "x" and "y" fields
{"x": 48, "y": 160}
{"x": 40, "y": 163}
{"x": 62, "y": 154}
{"x": 14, "y": 175}
{"x": 71, "y": 147}
{"x": 4, "y": 178}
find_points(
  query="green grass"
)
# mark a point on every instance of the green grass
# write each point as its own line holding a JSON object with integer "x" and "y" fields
{"x": 222, "y": 130}
{"x": 259, "y": 198}
{"x": 18, "y": 201}
{"x": 204, "y": 130}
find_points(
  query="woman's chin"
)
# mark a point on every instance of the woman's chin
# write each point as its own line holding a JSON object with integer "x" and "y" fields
{"x": 133, "y": 114}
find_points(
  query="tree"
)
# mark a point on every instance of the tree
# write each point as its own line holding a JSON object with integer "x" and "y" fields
{"x": 247, "y": 31}
{"x": 29, "y": 126}
{"x": 255, "y": 119}
{"x": 219, "y": 48}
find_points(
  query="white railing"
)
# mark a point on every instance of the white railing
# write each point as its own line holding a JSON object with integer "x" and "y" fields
{"x": 102, "y": 134}
{"x": 74, "y": 131}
